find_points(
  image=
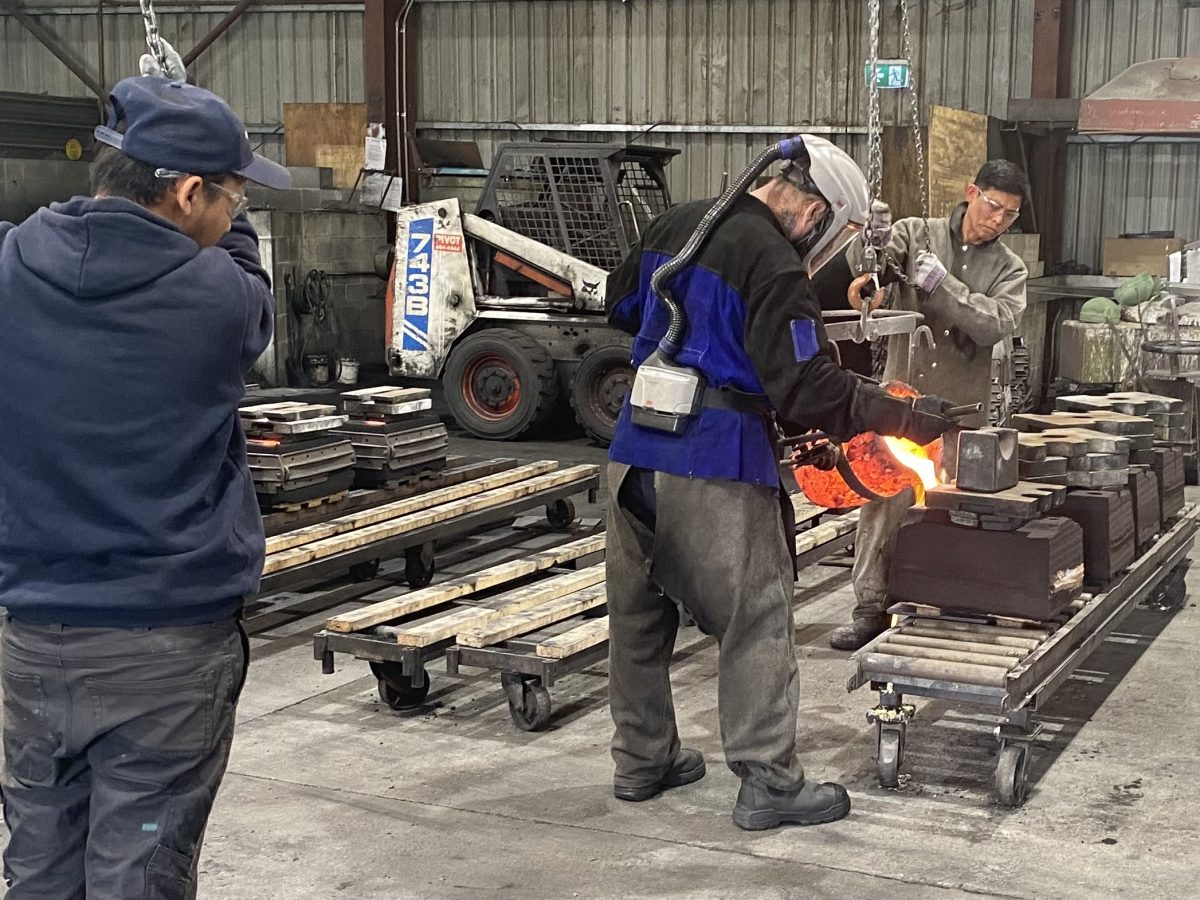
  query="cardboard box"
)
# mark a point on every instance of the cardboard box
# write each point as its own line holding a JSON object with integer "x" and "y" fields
{"x": 1126, "y": 257}
{"x": 1026, "y": 246}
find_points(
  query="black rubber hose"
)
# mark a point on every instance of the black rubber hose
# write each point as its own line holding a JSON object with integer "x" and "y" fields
{"x": 672, "y": 341}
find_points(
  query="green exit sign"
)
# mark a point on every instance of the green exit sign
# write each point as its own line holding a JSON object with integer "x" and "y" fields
{"x": 889, "y": 73}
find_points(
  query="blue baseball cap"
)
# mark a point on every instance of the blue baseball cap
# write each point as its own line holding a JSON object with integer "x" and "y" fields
{"x": 186, "y": 129}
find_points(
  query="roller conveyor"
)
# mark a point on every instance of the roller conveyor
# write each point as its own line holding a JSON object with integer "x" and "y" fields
{"x": 1007, "y": 666}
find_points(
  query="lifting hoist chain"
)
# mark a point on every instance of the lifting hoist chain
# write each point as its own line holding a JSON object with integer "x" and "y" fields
{"x": 152, "y": 39}
{"x": 874, "y": 120}
{"x": 914, "y": 106}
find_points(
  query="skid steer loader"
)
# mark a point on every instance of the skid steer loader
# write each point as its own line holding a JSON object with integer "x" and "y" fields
{"x": 506, "y": 306}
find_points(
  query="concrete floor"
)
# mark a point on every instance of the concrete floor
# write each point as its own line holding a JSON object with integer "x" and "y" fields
{"x": 331, "y": 794}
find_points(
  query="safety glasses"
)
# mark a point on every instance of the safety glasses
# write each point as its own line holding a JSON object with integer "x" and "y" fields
{"x": 995, "y": 206}
{"x": 237, "y": 202}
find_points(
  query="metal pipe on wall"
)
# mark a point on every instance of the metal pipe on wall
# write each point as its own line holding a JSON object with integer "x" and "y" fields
{"x": 400, "y": 54}
{"x": 100, "y": 49}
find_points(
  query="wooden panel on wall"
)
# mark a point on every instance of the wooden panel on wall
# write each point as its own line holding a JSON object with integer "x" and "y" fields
{"x": 957, "y": 149}
{"x": 956, "y": 145}
{"x": 307, "y": 126}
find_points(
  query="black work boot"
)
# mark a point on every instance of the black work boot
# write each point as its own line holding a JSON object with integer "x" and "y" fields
{"x": 759, "y": 808}
{"x": 687, "y": 767}
{"x": 859, "y": 632}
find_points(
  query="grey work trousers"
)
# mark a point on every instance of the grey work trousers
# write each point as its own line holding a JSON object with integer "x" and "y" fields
{"x": 115, "y": 742}
{"x": 719, "y": 548}
{"x": 878, "y": 524}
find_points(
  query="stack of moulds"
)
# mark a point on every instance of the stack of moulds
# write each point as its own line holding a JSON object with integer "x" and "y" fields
{"x": 990, "y": 544}
{"x": 1085, "y": 449}
{"x": 395, "y": 435}
{"x": 296, "y": 456}
{"x": 1167, "y": 414}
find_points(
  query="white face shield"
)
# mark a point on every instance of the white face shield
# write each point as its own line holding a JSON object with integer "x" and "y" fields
{"x": 831, "y": 246}
{"x": 841, "y": 182}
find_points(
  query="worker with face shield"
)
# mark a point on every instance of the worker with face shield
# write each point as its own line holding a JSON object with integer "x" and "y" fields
{"x": 698, "y": 517}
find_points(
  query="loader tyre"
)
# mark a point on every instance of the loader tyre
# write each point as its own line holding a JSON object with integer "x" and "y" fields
{"x": 598, "y": 391}
{"x": 499, "y": 383}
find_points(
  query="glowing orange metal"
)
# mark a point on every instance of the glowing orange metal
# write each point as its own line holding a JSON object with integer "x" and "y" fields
{"x": 885, "y": 466}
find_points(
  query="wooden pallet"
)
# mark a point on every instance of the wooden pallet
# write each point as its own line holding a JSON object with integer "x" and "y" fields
{"x": 315, "y": 503}
{"x": 468, "y": 609}
{"x": 457, "y": 471}
{"x": 354, "y": 532}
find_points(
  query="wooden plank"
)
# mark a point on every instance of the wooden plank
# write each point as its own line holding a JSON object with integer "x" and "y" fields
{"x": 501, "y": 629}
{"x": 826, "y": 532}
{"x": 346, "y": 160}
{"x": 456, "y": 472}
{"x": 509, "y": 604}
{"x": 306, "y": 126}
{"x": 956, "y": 150}
{"x": 361, "y": 537}
{"x": 404, "y": 507}
{"x": 414, "y": 601}
{"x": 589, "y": 634}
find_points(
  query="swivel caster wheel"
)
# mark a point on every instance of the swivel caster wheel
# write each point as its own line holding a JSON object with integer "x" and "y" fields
{"x": 419, "y": 565}
{"x": 528, "y": 701}
{"x": 1011, "y": 785}
{"x": 560, "y": 514}
{"x": 889, "y": 754}
{"x": 397, "y": 690}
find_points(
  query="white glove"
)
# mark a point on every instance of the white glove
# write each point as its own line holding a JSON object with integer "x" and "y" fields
{"x": 879, "y": 225}
{"x": 175, "y": 69}
{"x": 930, "y": 272}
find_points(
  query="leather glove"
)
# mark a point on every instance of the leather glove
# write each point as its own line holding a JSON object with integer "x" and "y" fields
{"x": 921, "y": 420}
{"x": 930, "y": 272}
{"x": 175, "y": 70}
{"x": 928, "y": 420}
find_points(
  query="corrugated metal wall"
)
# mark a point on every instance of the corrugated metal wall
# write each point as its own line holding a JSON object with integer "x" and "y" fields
{"x": 735, "y": 74}
{"x": 275, "y": 54}
{"x": 726, "y": 74}
{"x": 1116, "y": 189}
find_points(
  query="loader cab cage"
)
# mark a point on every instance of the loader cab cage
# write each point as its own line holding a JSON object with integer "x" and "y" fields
{"x": 592, "y": 201}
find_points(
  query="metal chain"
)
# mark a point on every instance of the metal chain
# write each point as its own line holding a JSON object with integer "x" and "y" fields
{"x": 152, "y": 39}
{"x": 874, "y": 119}
{"x": 915, "y": 112}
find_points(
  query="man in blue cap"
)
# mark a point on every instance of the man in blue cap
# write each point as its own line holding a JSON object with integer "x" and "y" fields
{"x": 129, "y": 532}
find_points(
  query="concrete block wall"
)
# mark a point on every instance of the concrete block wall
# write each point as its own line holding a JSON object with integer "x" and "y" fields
{"x": 341, "y": 243}
{"x": 29, "y": 184}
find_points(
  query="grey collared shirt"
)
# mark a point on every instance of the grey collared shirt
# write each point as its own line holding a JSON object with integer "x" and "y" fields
{"x": 978, "y": 304}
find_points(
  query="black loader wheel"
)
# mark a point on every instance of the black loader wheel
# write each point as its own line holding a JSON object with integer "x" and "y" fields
{"x": 560, "y": 514}
{"x": 1010, "y": 774}
{"x": 598, "y": 391}
{"x": 397, "y": 690}
{"x": 419, "y": 565}
{"x": 499, "y": 383}
{"x": 528, "y": 701}
{"x": 889, "y": 754}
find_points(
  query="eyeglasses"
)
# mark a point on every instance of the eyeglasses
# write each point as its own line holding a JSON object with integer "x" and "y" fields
{"x": 237, "y": 202}
{"x": 995, "y": 206}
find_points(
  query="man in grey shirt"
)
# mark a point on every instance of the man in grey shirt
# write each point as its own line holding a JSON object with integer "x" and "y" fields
{"x": 971, "y": 290}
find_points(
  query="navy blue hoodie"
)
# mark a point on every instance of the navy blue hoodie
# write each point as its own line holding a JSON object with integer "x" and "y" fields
{"x": 124, "y": 494}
